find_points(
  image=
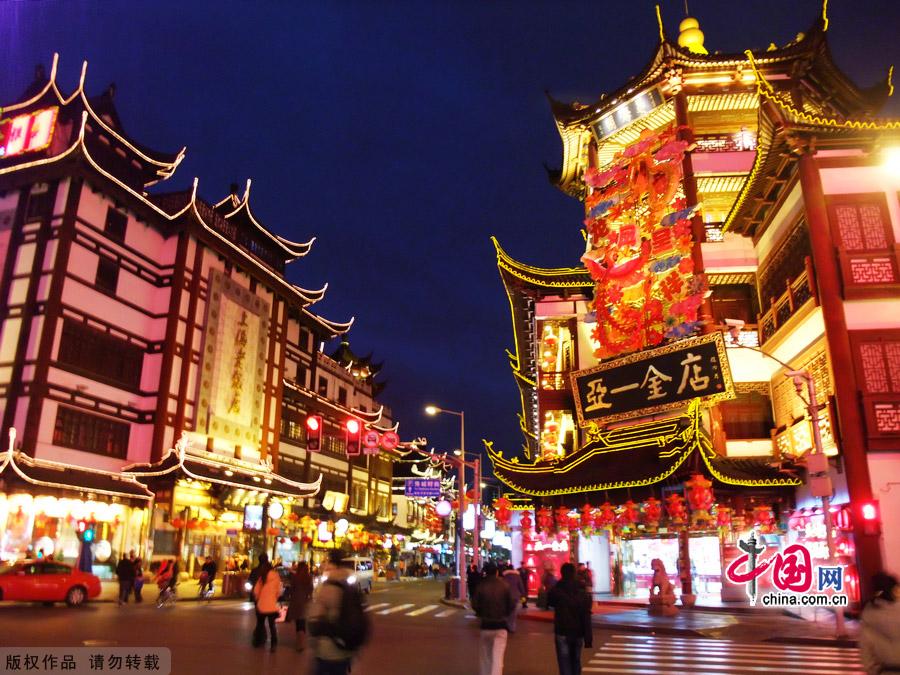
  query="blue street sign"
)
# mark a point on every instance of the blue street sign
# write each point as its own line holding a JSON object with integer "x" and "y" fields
{"x": 423, "y": 487}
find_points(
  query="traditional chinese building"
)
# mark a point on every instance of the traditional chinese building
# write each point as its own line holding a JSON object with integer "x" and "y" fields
{"x": 158, "y": 333}
{"x": 740, "y": 224}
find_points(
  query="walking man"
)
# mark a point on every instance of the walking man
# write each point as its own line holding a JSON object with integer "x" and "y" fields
{"x": 571, "y": 620}
{"x": 125, "y": 572}
{"x": 492, "y": 603}
{"x": 524, "y": 574}
{"x": 514, "y": 581}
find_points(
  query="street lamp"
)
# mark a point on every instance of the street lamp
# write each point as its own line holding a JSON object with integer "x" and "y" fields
{"x": 461, "y": 465}
{"x": 817, "y": 463}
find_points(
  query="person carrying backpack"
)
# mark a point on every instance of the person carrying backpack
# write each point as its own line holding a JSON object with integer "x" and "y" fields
{"x": 338, "y": 625}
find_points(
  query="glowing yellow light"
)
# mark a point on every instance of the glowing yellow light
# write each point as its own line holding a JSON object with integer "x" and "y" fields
{"x": 891, "y": 161}
{"x": 432, "y": 410}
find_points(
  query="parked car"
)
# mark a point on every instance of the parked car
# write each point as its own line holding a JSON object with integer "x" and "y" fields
{"x": 362, "y": 572}
{"x": 47, "y": 581}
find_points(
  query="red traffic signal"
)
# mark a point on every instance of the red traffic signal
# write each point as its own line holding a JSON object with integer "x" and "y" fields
{"x": 871, "y": 518}
{"x": 314, "y": 433}
{"x": 354, "y": 442}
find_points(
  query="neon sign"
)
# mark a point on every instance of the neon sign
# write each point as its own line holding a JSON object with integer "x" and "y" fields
{"x": 27, "y": 133}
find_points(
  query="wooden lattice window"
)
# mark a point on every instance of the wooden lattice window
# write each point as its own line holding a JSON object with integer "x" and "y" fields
{"x": 786, "y": 404}
{"x": 878, "y": 361}
{"x": 786, "y": 263}
{"x": 862, "y": 233}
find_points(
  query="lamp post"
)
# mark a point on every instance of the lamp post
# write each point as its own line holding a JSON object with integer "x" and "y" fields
{"x": 817, "y": 464}
{"x": 461, "y": 465}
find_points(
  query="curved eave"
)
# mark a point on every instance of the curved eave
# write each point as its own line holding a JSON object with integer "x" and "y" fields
{"x": 334, "y": 328}
{"x": 370, "y": 417}
{"x": 541, "y": 277}
{"x": 293, "y": 250}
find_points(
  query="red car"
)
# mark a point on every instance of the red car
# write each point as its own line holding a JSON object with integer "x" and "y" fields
{"x": 47, "y": 581}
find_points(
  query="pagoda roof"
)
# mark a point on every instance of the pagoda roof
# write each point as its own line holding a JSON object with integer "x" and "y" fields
{"x": 636, "y": 456}
{"x": 524, "y": 285}
{"x": 177, "y": 463}
{"x": 784, "y": 132}
{"x": 102, "y": 130}
{"x": 806, "y": 60}
{"x": 237, "y": 209}
{"x": 347, "y": 358}
{"x": 17, "y": 468}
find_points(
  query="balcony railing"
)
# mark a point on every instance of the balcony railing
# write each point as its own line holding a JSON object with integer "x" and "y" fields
{"x": 799, "y": 291}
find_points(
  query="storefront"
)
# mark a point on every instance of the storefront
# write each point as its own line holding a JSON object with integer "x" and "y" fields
{"x": 49, "y": 509}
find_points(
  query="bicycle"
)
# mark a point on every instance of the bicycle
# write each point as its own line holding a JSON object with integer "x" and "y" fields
{"x": 167, "y": 597}
{"x": 206, "y": 592}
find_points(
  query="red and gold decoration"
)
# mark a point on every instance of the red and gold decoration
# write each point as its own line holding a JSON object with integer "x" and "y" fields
{"x": 723, "y": 517}
{"x": 545, "y": 519}
{"x": 764, "y": 519}
{"x": 639, "y": 247}
{"x": 605, "y": 516}
{"x": 502, "y": 512}
{"x": 628, "y": 515}
{"x": 675, "y": 509}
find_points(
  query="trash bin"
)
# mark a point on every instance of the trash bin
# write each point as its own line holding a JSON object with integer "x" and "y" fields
{"x": 451, "y": 588}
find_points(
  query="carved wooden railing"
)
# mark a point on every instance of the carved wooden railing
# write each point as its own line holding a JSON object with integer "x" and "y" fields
{"x": 797, "y": 294}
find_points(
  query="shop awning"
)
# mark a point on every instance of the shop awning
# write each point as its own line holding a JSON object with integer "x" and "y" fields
{"x": 18, "y": 469}
{"x": 178, "y": 464}
{"x": 635, "y": 456}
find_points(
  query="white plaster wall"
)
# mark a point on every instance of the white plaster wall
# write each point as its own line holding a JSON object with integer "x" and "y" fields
{"x": 595, "y": 549}
{"x": 792, "y": 205}
{"x": 872, "y": 314}
{"x": 734, "y": 254}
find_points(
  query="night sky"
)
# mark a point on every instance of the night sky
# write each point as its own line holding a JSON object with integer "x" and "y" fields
{"x": 402, "y": 135}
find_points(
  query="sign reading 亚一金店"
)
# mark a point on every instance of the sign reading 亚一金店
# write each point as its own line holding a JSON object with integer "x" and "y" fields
{"x": 654, "y": 380}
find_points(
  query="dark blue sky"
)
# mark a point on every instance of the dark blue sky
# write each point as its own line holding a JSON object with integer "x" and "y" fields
{"x": 403, "y": 135}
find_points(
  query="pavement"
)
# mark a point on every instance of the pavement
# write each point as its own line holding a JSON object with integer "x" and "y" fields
{"x": 413, "y": 632}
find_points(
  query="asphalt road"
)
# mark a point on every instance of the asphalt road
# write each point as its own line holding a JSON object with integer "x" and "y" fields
{"x": 414, "y": 634}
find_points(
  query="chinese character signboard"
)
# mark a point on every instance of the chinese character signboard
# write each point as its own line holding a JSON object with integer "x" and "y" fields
{"x": 423, "y": 487}
{"x": 653, "y": 381}
{"x": 27, "y": 133}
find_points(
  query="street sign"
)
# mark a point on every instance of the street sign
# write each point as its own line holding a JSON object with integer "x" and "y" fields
{"x": 371, "y": 439}
{"x": 654, "y": 380}
{"x": 390, "y": 440}
{"x": 423, "y": 487}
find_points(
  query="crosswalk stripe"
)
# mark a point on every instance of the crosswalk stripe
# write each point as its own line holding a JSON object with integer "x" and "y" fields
{"x": 446, "y": 612}
{"x": 422, "y": 610}
{"x": 770, "y": 647}
{"x": 377, "y": 606}
{"x": 658, "y": 655}
{"x": 398, "y": 608}
{"x": 746, "y": 652}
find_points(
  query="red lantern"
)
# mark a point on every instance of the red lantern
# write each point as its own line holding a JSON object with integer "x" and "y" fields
{"x": 675, "y": 508}
{"x": 587, "y": 516}
{"x": 562, "y": 518}
{"x": 502, "y": 512}
{"x": 700, "y": 497}
{"x": 545, "y": 519}
{"x": 652, "y": 513}
{"x": 628, "y": 516}
{"x": 177, "y": 523}
{"x": 525, "y": 521}
{"x": 295, "y": 539}
{"x": 723, "y": 517}
{"x": 604, "y": 516}
{"x": 273, "y": 531}
{"x": 764, "y": 519}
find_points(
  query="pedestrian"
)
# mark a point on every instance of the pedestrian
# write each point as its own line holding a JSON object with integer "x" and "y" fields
{"x": 514, "y": 580}
{"x": 492, "y": 603}
{"x": 125, "y": 573}
{"x": 473, "y": 576}
{"x": 166, "y": 576}
{"x": 548, "y": 581}
{"x": 138, "y": 579}
{"x": 209, "y": 569}
{"x": 254, "y": 573}
{"x": 571, "y": 620}
{"x": 581, "y": 575}
{"x": 301, "y": 592}
{"x": 525, "y": 575}
{"x": 334, "y": 636}
{"x": 590, "y": 579}
{"x": 266, "y": 591}
{"x": 879, "y": 637}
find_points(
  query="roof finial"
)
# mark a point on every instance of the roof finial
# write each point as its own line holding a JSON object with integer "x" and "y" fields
{"x": 891, "y": 81}
{"x": 825, "y": 14}
{"x": 662, "y": 32}
{"x": 690, "y": 36}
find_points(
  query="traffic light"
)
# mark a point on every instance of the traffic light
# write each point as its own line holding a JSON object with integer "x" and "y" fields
{"x": 354, "y": 442}
{"x": 85, "y": 533}
{"x": 871, "y": 518}
{"x": 314, "y": 433}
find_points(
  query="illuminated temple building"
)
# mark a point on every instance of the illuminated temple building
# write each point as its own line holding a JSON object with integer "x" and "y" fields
{"x": 157, "y": 365}
{"x": 748, "y": 187}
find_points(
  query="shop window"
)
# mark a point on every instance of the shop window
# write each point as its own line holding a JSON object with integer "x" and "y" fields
{"x": 359, "y": 497}
{"x": 383, "y": 508}
{"x": 294, "y": 431}
{"x": 342, "y": 396}
{"x": 100, "y": 355}
{"x": 322, "y": 389}
{"x": 116, "y": 222}
{"x": 394, "y": 508}
{"x": 91, "y": 433}
{"x": 334, "y": 444}
{"x": 107, "y": 275}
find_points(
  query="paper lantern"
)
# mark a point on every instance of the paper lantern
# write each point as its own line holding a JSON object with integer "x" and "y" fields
{"x": 700, "y": 497}
{"x": 628, "y": 515}
{"x": 652, "y": 514}
{"x": 723, "y": 517}
{"x": 675, "y": 509}
{"x": 545, "y": 519}
{"x": 604, "y": 516}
